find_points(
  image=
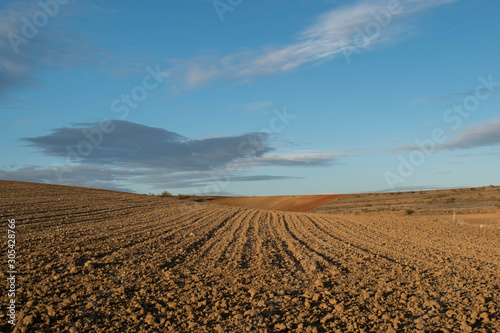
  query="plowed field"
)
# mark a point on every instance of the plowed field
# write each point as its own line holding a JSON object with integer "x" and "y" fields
{"x": 102, "y": 261}
{"x": 296, "y": 203}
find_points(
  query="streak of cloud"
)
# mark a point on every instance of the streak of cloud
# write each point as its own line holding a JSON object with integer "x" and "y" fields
{"x": 334, "y": 33}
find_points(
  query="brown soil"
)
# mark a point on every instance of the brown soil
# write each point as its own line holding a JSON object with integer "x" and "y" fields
{"x": 289, "y": 203}
{"x": 102, "y": 261}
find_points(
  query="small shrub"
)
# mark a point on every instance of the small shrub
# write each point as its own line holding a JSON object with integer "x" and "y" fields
{"x": 197, "y": 198}
{"x": 183, "y": 196}
{"x": 165, "y": 194}
{"x": 450, "y": 200}
{"x": 410, "y": 211}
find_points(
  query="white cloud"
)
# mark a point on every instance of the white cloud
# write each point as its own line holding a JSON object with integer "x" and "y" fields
{"x": 332, "y": 34}
{"x": 294, "y": 159}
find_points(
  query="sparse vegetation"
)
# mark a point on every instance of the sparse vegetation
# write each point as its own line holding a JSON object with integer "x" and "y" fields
{"x": 451, "y": 200}
{"x": 197, "y": 198}
{"x": 432, "y": 204}
{"x": 180, "y": 196}
{"x": 191, "y": 197}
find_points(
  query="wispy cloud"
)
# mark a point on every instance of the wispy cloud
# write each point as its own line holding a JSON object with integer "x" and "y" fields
{"x": 26, "y": 49}
{"x": 16, "y": 70}
{"x": 84, "y": 176}
{"x": 457, "y": 95}
{"x": 201, "y": 180}
{"x": 485, "y": 134}
{"x": 334, "y": 33}
{"x": 297, "y": 159}
{"x": 489, "y": 153}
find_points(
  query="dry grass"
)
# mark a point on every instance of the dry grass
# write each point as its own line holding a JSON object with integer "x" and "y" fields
{"x": 467, "y": 201}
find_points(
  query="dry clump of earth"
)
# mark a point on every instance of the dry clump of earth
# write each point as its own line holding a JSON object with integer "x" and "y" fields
{"x": 103, "y": 261}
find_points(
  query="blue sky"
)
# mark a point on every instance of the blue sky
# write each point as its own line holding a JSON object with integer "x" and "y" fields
{"x": 251, "y": 97}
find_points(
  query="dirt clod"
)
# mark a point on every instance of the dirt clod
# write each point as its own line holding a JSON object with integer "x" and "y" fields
{"x": 104, "y": 261}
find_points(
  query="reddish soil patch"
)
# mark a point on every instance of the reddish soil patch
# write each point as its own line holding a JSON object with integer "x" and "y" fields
{"x": 296, "y": 203}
